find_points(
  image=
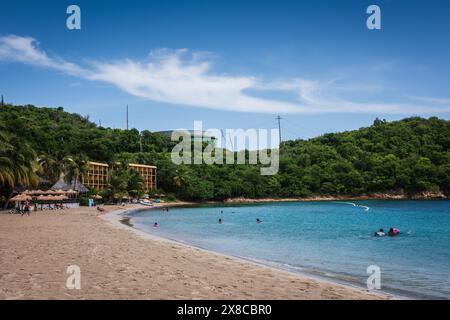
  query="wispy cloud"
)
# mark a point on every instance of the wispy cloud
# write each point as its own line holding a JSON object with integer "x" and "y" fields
{"x": 24, "y": 49}
{"x": 185, "y": 78}
{"x": 433, "y": 100}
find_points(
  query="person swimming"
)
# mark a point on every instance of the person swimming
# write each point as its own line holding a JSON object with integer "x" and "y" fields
{"x": 220, "y": 220}
{"x": 258, "y": 220}
{"x": 380, "y": 233}
{"x": 155, "y": 225}
{"x": 393, "y": 232}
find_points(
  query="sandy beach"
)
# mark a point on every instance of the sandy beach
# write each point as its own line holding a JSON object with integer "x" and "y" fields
{"x": 117, "y": 262}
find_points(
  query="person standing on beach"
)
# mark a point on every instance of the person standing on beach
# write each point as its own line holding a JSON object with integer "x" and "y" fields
{"x": 26, "y": 209}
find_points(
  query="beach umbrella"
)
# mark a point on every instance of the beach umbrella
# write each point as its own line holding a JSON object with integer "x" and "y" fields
{"x": 71, "y": 191}
{"x": 39, "y": 191}
{"x": 97, "y": 196}
{"x": 21, "y": 197}
{"x": 60, "y": 191}
{"x": 16, "y": 198}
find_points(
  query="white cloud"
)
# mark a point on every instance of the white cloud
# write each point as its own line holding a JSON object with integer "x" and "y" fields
{"x": 24, "y": 49}
{"x": 184, "y": 78}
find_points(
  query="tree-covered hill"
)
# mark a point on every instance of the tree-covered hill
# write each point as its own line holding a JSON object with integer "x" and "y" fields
{"x": 56, "y": 132}
{"x": 409, "y": 156}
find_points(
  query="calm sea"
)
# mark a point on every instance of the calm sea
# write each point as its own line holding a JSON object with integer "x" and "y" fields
{"x": 327, "y": 239}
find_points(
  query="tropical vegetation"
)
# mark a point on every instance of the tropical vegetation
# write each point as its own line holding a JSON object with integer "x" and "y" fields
{"x": 408, "y": 156}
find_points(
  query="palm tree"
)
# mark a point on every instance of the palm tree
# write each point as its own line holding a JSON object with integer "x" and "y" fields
{"x": 136, "y": 183}
{"x": 18, "y": 164}
{"x": 75, "y": 168}
{"x": 117, "y": 185}
{"x": 180, "y": 177}
{"x": 52, "y": 167}
{"x": 6, "y": 164}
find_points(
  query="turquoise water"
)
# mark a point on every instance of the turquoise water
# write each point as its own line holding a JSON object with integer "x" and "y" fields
{"x": 328, "y": 239}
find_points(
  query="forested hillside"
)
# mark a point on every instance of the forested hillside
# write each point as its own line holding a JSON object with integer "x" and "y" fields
{"x": 411, "y": 155}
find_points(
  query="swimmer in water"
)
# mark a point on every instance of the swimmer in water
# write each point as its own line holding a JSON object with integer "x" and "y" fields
{"x": 393, "y": 232}
{"x": 258, "y": 220}
{"x": 155, "y": 225}
{"x": 220, "y": 220}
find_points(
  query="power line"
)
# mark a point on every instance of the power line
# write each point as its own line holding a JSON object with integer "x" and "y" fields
{"x": 293, "y": 124}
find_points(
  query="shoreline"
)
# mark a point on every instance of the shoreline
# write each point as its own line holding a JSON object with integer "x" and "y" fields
{"x": 392, "y": 197}
{"x": 119, "y": 262}
{"x": 118, "y": 219}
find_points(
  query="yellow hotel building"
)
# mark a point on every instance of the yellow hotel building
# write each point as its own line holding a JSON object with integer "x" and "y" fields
{"x": 149, "y": 174}
{"x": 97, "y": 175}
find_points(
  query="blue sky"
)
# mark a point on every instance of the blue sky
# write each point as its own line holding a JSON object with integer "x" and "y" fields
{"x": 231, "y": 64}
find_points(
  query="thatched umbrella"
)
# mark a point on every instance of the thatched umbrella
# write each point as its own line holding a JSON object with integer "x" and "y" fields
{"x": 60, "y": 191}
{"x": 21, "y": 197}
{"x": 50, "y": 192}
{"x": 71, "y": 191}
{"x": 97, "y": 196}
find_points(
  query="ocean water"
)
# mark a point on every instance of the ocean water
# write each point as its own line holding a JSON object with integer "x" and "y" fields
{"x": 327, "y": 239}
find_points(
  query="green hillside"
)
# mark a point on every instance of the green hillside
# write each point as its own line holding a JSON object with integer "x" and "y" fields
{"x": 411, "y": 155}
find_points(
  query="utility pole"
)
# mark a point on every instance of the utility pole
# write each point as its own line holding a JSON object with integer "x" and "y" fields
{"x": 279, "y": 128}
{"x": 3, "y": 103}
{"x": 127, "y": 117}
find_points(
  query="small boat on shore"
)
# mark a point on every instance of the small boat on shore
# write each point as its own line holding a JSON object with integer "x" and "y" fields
{"x": 146, "y": 202}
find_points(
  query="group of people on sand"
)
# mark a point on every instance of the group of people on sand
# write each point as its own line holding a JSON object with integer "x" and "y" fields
{"x": 393, "y": 232}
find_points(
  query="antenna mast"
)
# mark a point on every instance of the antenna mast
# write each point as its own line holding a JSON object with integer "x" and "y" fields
{"x": 127, "y": 117}
{"x": 279, "y": 128}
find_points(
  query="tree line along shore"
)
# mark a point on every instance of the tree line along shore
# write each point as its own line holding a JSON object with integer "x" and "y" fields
{"x": 409, "y": 158}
